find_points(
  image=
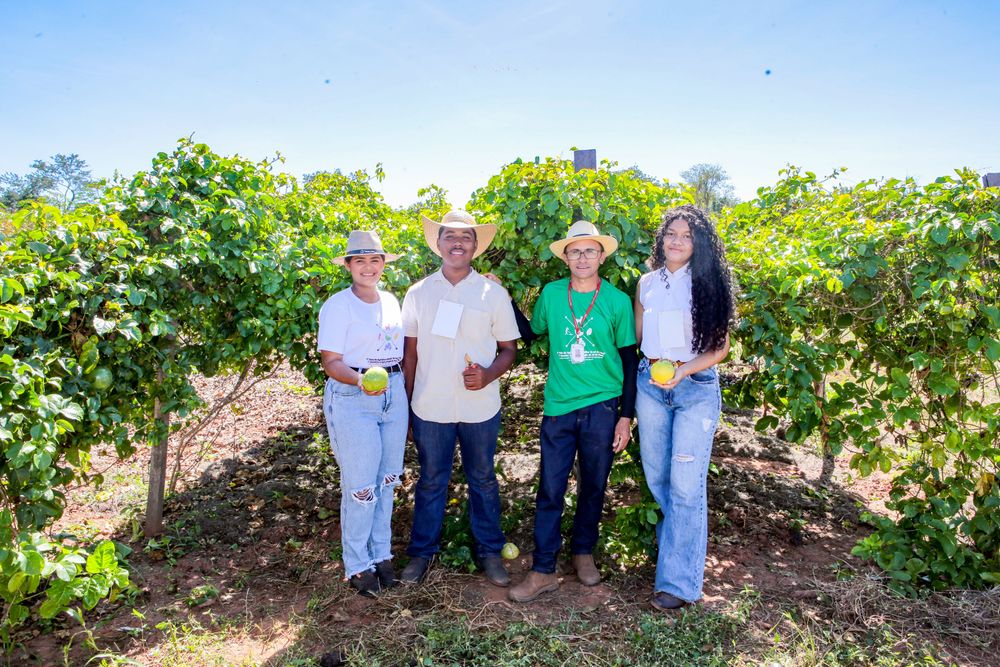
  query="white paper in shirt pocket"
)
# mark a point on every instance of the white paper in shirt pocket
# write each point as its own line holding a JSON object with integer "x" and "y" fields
{"x": 670, "y": 326}
{"x": 447, "y": 319}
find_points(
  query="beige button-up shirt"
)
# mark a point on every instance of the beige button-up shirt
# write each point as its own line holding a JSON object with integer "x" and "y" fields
{"x": 439, "y": 393}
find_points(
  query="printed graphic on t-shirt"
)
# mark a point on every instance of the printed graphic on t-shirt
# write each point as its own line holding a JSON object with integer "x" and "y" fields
{"x": 387, "y": 346}
{"x": 569, "y": 340}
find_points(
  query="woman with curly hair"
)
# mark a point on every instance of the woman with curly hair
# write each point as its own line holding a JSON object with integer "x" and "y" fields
{"x": 683, "y": 311}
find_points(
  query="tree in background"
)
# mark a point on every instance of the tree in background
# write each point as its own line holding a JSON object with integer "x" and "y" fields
{"x": 712, "y": 188}
{"x": 64, "y": 181}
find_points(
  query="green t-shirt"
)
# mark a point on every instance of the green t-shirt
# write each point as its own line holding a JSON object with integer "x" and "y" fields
{"x": 609, "y": 325}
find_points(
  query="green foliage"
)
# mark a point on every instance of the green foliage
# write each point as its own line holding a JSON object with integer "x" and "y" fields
{"x": 64, "y": 181}
{"x": 203, "y": 264}
{"x": 870, "y": 317}
{"x": 533, "y": 204}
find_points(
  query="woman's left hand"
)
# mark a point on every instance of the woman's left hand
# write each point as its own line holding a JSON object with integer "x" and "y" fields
{"x": 679, "y": 374}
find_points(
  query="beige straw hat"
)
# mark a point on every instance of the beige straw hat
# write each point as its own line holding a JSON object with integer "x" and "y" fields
{"x": 583, "y": 230}
{"x": 364, "y": 243}
{"x": 459, "y": 219}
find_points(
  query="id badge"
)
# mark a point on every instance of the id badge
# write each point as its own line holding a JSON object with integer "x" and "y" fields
{"x": 576, "y": 353}
{"x": 671, "y": 329}
{"x": 447, "y": 318}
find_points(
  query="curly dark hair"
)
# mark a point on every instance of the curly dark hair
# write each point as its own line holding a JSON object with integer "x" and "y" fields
{"x": 711, "y": 284}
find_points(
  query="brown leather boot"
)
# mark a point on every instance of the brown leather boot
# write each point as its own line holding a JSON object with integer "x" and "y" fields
{"x": 534, "y": 585}
{"x": 586, "y": 570}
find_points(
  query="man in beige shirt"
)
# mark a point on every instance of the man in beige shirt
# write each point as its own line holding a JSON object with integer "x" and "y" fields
{"x": 460, "y": 336}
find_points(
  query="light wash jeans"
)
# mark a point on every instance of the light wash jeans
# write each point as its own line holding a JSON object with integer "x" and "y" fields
{"x": 676, "y": 428}
{"x": 367, "y": 436}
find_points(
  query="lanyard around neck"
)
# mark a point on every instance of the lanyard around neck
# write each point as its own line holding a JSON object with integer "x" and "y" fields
{"x": 593, "y": 300}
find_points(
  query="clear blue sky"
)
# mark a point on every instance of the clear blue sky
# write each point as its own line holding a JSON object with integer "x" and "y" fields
{"x": 446, "y": 93}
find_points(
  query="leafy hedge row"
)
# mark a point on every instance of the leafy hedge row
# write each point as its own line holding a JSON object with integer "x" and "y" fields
{"x": 871, "y": 316}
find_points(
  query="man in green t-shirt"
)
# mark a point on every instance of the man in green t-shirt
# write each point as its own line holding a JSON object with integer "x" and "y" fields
{"x": 589, "y": 401}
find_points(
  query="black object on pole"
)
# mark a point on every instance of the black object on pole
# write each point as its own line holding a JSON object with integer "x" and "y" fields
{"x": 991, "y": 180}
{"x": 585, "y": 159}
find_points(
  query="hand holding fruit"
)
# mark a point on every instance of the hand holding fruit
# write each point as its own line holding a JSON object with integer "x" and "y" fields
{"x": 375, "y": 381}
{"x": 665, "y": 375}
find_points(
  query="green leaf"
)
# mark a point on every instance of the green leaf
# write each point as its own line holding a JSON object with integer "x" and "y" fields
{"x": 940, "y": 234}
{"x": 766, "y": 423}
{"x": 943, "y": 385}
{"x": 103, "y": 326}
{"x": 35, "y": 563}
{"x": 14, "y": 583}
{"x": 103, "y": 559}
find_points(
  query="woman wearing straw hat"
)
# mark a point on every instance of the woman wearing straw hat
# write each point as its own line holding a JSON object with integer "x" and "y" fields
{"x": 359, "y": 328}
{"x": 683, "y": 311}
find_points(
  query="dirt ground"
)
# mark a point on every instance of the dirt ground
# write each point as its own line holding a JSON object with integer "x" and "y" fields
{"x": 251, "y": 550}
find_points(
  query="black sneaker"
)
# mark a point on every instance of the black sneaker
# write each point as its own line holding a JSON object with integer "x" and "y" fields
{"x": 386, "y": 574}
{"x": 415, "y": 570}
{"x": 495, "y": 570}
{"x": 365, "y": 583}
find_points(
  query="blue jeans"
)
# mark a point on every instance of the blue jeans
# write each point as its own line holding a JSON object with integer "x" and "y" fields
{"x": 676, "y": 428}
{"x": 367, "y": 436}
{"x": 588, "y": 431}
{"x": 436, "y": 452}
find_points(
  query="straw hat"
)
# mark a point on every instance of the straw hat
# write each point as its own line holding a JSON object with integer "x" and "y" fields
{"x": 583, "y": 230}
{"x": 364, "y": 243}
{"x": 458, "y": 219}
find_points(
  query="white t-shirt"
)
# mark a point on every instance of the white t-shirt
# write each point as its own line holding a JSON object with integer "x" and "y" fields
{"x": 665, "y": 298}
{"x": 367, "y": 334}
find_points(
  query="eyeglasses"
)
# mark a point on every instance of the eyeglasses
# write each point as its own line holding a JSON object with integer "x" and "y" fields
{"x": 576, "y": 253}
{"x": 670, "y": 237}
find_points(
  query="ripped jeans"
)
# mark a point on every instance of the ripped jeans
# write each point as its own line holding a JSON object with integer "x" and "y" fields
{"x": 676, "y": 429}
{"x": 367, "y": 436}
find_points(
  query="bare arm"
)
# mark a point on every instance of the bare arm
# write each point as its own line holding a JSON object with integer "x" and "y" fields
{"x": 409, "y": 364}
{"x": 333, "y": 364}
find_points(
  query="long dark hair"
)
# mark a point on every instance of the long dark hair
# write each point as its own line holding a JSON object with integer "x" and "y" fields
{"x": 711, "y": 284}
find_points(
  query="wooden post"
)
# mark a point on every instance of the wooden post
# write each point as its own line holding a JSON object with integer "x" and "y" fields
{"x": 585, "y": 159}
{"x": 157, "y": 470}
{"x": 991, "y": 180}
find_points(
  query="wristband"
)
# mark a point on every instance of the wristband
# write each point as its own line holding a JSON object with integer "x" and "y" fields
{"x": 360, "y": 381}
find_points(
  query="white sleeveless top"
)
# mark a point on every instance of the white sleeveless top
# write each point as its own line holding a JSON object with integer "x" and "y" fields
{"x": 666, "y": 295}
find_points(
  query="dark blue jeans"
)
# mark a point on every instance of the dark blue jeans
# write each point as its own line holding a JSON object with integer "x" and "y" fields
{"x": 436, "y": 451}
{"x": 589, "y": 432}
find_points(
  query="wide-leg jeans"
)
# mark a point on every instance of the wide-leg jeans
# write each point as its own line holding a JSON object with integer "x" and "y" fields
{"x": 367, "y": 436}
{"x": 436, "y": 451}
{"x": 676, "y": 429}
